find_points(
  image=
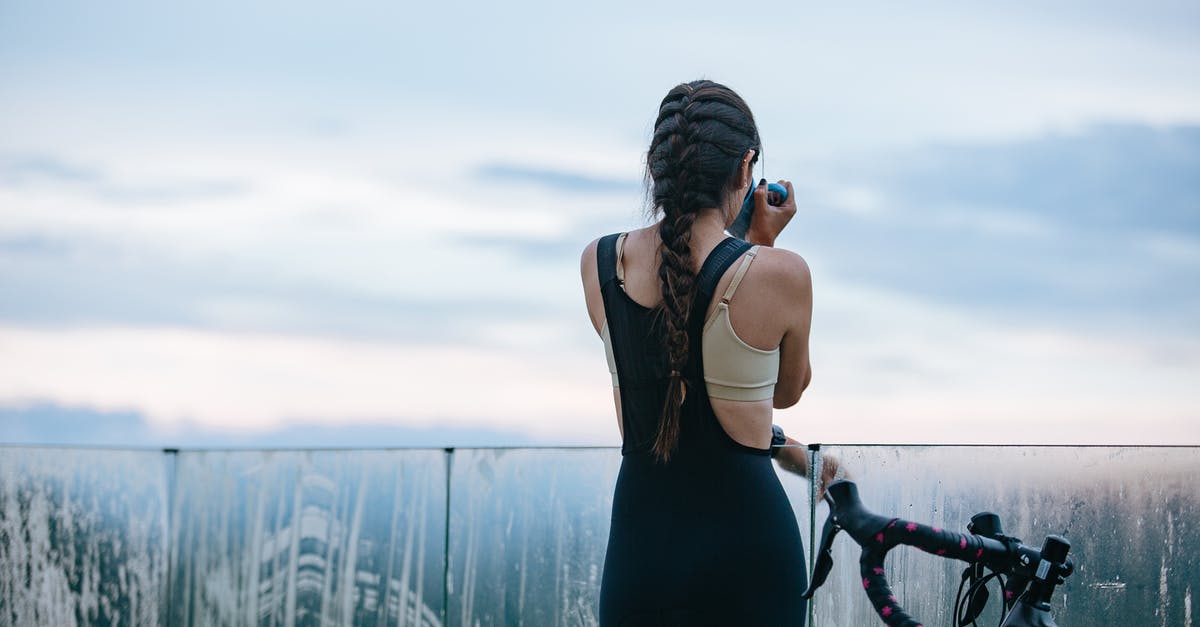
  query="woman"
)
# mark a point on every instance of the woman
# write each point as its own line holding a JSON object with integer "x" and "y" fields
{"x": 705, "y": 335}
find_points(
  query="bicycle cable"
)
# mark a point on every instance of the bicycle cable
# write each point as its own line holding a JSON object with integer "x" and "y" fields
{"x": 966, "y": 608}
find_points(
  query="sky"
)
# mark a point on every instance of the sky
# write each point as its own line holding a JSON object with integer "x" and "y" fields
{"x": 305, "y": 224}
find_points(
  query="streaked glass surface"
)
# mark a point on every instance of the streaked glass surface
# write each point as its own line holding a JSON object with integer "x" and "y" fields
{"x": 517, "y": 536}
{"x": 308, "y": 538}
{"x": 1130, "y": 513}
{"x": 528, "y": 530}
{"x": 82, "y": 537}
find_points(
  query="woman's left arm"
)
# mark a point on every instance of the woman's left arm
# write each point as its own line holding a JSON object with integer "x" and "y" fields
{"x": 591, "y": 285}
{"x": 793, "y": 457}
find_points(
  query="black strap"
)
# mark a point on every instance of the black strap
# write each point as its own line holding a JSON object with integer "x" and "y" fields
{"x": 715, "y": 266}
{"x": 710, "y": 274}
{"x": 606, "y": 258}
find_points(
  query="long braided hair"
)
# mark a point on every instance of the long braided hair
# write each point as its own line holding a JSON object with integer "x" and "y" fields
{"x": 702, "y": 132}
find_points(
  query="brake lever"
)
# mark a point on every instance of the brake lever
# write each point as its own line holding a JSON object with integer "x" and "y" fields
{"x": 846, "y": 511}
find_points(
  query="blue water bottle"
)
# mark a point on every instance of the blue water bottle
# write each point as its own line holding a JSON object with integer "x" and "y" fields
{"x": 741, "y": 224}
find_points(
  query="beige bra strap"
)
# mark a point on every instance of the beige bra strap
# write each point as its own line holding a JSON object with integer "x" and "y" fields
{"x": 737, "y": 276}
{"x": 620, "y": 253}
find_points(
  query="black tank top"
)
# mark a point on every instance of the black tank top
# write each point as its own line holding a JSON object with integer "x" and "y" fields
{"x": 642, "y": 366}
{"x": 709, "y": 538}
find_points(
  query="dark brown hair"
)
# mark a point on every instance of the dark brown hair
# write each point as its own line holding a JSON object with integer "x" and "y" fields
{"x": 702, "y": 132}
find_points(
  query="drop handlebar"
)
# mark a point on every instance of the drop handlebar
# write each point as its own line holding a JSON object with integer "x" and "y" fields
{"x": 1032, "y": 574}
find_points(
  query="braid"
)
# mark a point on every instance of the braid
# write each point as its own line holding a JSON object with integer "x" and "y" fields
{"x": 702, "y": 131}
{"x": 678, "y": 283}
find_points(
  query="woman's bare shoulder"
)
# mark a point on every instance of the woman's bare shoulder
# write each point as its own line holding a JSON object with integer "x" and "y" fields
{"x": 780, "y": 266}
{"x": 588, "y": 260}
{"x": 635, "y": 237}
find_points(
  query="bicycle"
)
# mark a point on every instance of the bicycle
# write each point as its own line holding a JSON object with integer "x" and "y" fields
{"x": 1032, "y": 574}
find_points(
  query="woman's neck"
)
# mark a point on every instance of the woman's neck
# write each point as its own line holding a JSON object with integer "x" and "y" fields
{"x": 709, "y": 225}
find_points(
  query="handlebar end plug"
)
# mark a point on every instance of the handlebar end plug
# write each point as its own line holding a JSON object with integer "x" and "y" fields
{"x": 1055, "y": 549}
{"x": 986, "y": 524}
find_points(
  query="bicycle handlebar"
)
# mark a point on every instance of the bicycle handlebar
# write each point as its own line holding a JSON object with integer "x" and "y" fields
{"x": 1040, "y": 570}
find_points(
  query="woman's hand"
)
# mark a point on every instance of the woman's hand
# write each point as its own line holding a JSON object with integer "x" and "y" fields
{"x": 829, "y": 471}
{"x": 768, "y": 220}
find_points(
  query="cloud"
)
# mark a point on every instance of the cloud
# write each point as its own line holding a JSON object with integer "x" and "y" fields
{"x": 45, "y": 170}
{"x": 428, "y": 272}
{"x": 851, "y": 81}
{"x": 330, "y": 251}
{"x": 557, "y": 180}
{"x": 1107, "y": 178}
{"x": 26, "y": 169}
{"x": 1173, "y": 248}
{"x": 258, "y": 382}
{"x": 169, "y": 193}
{"x": 333, "y": 250}
{"x": 29, "y": 244}
{"x": 57, "y": 283}
{"x": 892, "y": 367}
{"x": 928, "y": 375}
{"x": 46, "y": 423}
{"x": 1094, "y": 228}
{"x": 554, "y": 250}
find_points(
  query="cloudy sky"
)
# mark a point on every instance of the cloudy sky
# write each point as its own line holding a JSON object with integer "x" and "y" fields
{"x": 308, "y": 223}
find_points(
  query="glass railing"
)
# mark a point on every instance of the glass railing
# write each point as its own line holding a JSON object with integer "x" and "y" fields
{"x": 516, "y": 536}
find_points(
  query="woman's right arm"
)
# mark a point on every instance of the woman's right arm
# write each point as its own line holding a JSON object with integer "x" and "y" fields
{"x": 591, "y": 285}
{"x": 790, "y": 276}
{"x": 795, "y": 291}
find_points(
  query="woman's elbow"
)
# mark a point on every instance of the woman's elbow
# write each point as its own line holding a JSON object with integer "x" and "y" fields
{"x": 785, "y": 401}
{"x": 786, "y": 396}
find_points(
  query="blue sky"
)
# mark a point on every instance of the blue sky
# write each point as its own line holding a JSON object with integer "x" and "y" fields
{"x": 230, "y": 223}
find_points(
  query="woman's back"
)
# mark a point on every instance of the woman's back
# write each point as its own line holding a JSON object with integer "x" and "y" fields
{"x": 769, "y": 312}
{"x": 706, "y": 334}
{"x": 710, "y": 537}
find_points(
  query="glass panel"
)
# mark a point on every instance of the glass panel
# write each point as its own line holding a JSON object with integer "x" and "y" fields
{"x": 309, "y": 538}
{"x": 799, "y": 492}
{"x": 82, "y": 537}
{"x": 360, "y": 537}
{"x": 1130, "y": 514}
{"x": 528, "y": 531}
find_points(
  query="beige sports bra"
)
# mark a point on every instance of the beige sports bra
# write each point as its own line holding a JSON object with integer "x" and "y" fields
{"x": 733, "y": 370}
